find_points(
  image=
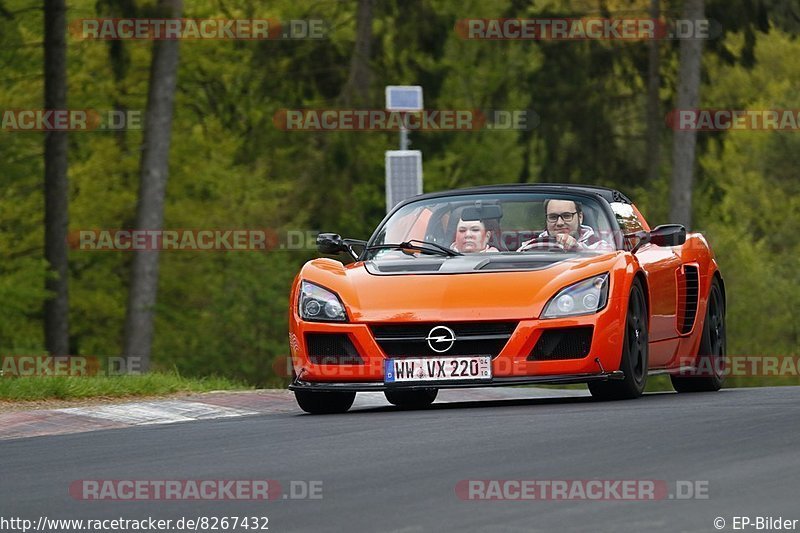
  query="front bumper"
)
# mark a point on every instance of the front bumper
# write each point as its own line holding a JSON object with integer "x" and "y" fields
{"x": 510, "y": 367}
{"x": 318, "y": 386}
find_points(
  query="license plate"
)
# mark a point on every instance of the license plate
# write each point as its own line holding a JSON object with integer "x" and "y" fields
{"x": 438, "y": 369}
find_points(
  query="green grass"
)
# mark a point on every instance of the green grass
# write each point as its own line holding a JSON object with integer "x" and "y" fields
{"x": 760, "y": 381}
{"x": 30, "y": 388}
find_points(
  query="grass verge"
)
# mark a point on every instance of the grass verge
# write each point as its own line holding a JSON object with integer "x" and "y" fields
{"x": 31, "y": 388}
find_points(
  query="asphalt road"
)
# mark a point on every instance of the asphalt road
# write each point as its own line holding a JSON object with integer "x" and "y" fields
{"x": 389, "y": 470}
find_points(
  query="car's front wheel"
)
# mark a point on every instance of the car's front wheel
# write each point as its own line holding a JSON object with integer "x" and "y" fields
{"x": 411, "y": 399}
{"x": 634, "y": 353}
{"x": 323, "y": 403}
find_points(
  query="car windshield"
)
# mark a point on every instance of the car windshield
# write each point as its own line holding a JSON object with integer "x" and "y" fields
{"x": 496, "y": 223}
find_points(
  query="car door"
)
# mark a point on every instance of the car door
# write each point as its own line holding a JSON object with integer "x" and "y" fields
{"x": 661, "y": 265}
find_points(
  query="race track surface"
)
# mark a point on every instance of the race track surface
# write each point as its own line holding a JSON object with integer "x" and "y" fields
{"x": 382, "y": 469}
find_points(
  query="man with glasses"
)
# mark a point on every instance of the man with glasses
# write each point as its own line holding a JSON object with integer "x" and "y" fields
{"x": 565, "y": 228}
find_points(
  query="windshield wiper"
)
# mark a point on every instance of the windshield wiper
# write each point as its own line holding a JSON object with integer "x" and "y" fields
{"x": 428, "y": 247}
{"x": 450, "y": 252}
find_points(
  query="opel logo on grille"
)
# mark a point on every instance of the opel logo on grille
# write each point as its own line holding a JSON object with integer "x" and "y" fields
{"x": 441, "y": 338}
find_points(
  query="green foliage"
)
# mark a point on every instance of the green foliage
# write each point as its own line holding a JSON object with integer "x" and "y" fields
{"x": 751, "y": 190}
{"x": 232, "y": 168}
{"x": 22, "y": 269}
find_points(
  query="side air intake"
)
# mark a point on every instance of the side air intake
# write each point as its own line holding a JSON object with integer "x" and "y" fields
{"x": 688, "y": 296}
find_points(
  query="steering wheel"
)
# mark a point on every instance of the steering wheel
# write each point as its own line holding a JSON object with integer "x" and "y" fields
{"x": 547, "y": 243}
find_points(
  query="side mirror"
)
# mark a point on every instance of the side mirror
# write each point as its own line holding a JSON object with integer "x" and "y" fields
{"x": 642, "y": 238}
{"x": 668, "y": 235}
{"x": 330, "y": 243}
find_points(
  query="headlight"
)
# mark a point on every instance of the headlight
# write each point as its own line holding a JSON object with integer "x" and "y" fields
{"x": 582, "y": 298}
{"x": 320, "y": 304}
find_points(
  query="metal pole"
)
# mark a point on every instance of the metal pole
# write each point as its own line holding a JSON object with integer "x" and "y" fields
{"x": 403, "y": 138}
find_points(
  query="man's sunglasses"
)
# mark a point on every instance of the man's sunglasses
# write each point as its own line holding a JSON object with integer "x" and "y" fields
{"x": 567, "y": 216}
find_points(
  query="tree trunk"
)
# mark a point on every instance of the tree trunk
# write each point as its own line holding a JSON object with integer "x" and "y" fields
{"x": 654, "y": 119}
{"x": 119, "y": 58}
{"x": 153, "y": 182}
{"x": 56, "y": 187}
{"x": 356, "y": 89}
{"x": 683, "y": 143}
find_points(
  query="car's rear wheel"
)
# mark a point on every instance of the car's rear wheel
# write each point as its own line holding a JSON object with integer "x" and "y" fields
{"x": 411, "y": 399}
{"x": 713, "y": 348}
{"x": 634, "y": 353}
{"x": 323, "y": 403}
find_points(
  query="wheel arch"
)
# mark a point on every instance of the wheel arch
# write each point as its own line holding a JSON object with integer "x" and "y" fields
{"x": 640, "y": 275}
{"x": 718, "y": 277}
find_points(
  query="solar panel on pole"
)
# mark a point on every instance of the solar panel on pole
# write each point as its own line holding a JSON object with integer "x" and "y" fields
{"x": 404, "y": 166}
{"x": 403, "y": 176}
{"x": 404, "y": 98}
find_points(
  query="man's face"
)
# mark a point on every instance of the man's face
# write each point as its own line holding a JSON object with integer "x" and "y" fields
{"x": 566, "y": 208}
{"x": 471, "y": 236}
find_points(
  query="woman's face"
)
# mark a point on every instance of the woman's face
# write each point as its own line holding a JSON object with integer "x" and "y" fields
{"x": 471, "y": 236}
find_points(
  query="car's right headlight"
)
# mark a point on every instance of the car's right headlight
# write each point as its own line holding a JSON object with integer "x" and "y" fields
{"x": 582, "y": 298}
{"x": 319, "y": 304}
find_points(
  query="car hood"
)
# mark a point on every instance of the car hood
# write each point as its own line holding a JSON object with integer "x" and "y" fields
{"x": 460, "y": 289}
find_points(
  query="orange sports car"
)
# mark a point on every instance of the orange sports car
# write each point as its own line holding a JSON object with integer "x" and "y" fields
{"x": 506, "y": 285}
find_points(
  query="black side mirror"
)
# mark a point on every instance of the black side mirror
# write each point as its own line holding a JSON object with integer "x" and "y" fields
{"x": 668, "y": 235}
{"x": 330, "y": 243}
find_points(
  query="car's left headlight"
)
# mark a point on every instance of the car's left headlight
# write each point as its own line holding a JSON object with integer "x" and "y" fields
{"x": 582, "y": 298}
{"x": 319, "y": 304}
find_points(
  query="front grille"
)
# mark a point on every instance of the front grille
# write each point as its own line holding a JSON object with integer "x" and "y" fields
{"x": 688, "y": 295}
{"x": 563, "y": 343}
{"x": 472, "y": 338}
{"x": 332, "y": 349}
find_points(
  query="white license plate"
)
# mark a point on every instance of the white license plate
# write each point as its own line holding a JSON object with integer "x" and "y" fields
{"x": 410, "y": 369}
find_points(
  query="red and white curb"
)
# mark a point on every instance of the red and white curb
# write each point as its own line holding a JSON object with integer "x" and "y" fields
{"x": 20, "y": 424}
{"x": 156, "y": 412}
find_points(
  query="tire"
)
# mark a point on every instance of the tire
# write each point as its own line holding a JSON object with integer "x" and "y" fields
{"x": 633, "y": 362}
{"x": 713, "y": 347}
{"x": 324, "y": 403}
{"x": 411, "y": 399}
